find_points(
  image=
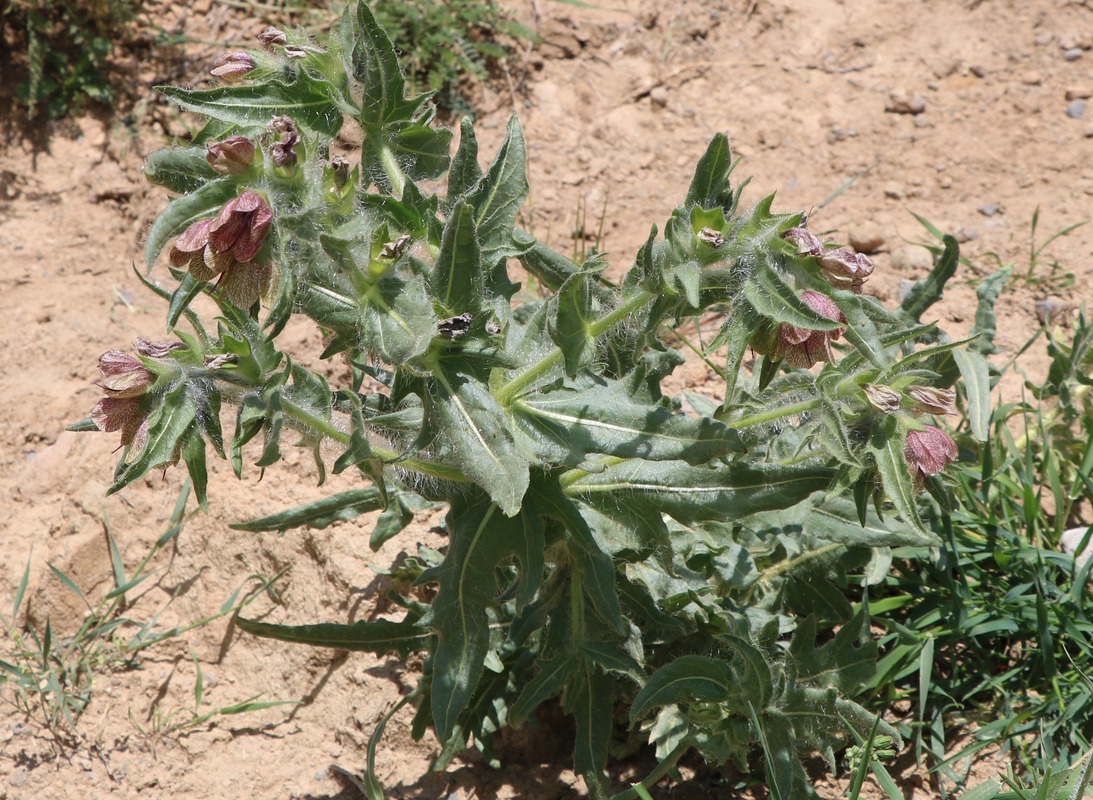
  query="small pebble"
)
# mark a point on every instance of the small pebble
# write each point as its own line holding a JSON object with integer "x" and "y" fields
{"x": 1079, "y": 92}
{"x": 867, "y": 238}
{"x": 966, "y": 234}
{"x": 900, "y": 102}
{"x": 912, "y": 259}
{"x": 978, "y": 70}
{"x": 989, "y": 209}
{"x": 1076, "y": 109}
{"x": 659, "y": 96}
{"x": 1044, "y": 38}
{"x": 893, "y": 191}
{"x": 905, "y": 286}
{"x": 1073, "y": 54}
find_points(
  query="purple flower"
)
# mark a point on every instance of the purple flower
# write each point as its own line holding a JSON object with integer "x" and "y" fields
{"x": 228, "y": 245}
{"x": 802, "y": 347}
{"x": 929, "y": 451}
{"x": 230, "y": 157}
{"x": 125, "y": 379}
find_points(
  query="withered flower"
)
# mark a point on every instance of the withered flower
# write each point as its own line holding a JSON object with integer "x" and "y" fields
{"x": 234, "y": 66}
{"x": 882, "y": 398}
{"x": 230, "y": 157}
{"x": 929, "y": 451}
{"x": 802, "y": 347}
{"x": 228, "y": 245}
{"x": 808, "y": 244}
{"x": 929, "y": 400}
{"x": 272, "y": 35}
{"x": 283, "y": 150}
{"x": 845, "y": 269}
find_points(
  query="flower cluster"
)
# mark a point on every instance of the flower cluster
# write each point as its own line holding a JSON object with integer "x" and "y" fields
{"x": 843, "y": 269}
{"x": 125, "y": 380}
{"x": 228, "y": 246}
{"x": 928, "y": 450}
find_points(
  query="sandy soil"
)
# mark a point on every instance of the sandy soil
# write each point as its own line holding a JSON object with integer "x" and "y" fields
{"x": 969, "y": 114}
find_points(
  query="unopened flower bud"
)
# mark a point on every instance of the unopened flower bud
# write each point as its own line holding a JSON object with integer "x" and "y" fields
{"x": 230, "y": 157}
{"x": 882, "y": 398}
{"x": 272, "y": 35}
{"x": 233, "y": 66}
{"x": 808, "y": 244}
{"x": 929, "y": 400}
{"x": 845, "y": 269}
{"x": 929, "y": 451}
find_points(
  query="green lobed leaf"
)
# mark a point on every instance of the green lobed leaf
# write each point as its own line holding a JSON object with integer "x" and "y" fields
{"x": 319, "y": 514}
{"x": 378, "y": 637}
{"x": 184, "y": 211}
{"x": 552, "y": 676}
{"x": 710, "y": 185}
{"x": 596, "y": 568}
{"x": 457, "y": 282}
{"x": 695, "y": 677}
{"x": 693, "y": 494}
{"x": 498, "y": 196}
{"x": 474, "y": 426}
{"x": 421, "y": 150}
{"x": 374, "y": 64}
{"x": 770, "y": 295}
{"x": 886, "y": 445}
{"x": 600, "y": 416}
{"x": 481, "y": 539}
{"x": 572, "y": 321}
{"x": 929, "y": 290}
{"x": 179, "y": 169}
{"x": 589, "y": 697}
{"x": 985, "y": 328}
{"x": 977, "y": 387}
{"x": 844, "y": 662}
{"x": 465, "y": 172}
{"x": 306, "y": 100}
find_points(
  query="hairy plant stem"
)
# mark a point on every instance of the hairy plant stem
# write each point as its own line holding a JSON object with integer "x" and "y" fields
{"x": 433, "y": 469}
{"x": 505, "y": 393}
{"x": 658, "y": 772}
{"x": 773, "y": 414}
